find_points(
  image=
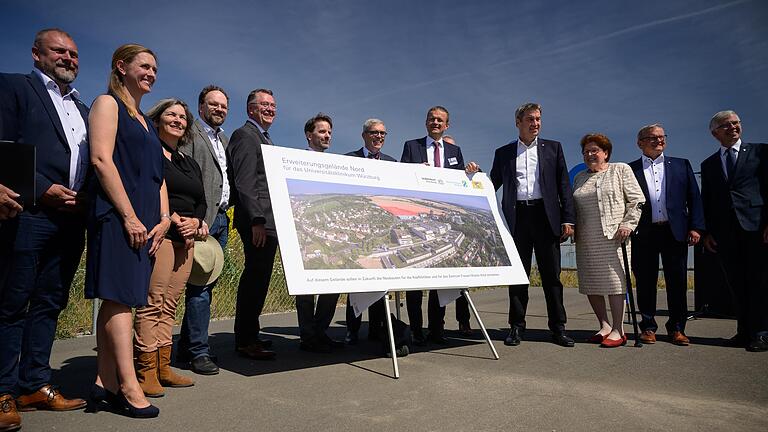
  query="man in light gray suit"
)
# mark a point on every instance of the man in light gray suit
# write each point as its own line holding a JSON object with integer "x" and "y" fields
{"x": 208, "y": 149}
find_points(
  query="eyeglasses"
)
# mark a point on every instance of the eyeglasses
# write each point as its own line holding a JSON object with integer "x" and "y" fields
{"x": 726, "y": 125}
{"x": 591, "y": 152}
{"x": 654, "y": 138}
{"x": 265, "y": 104}
{"x": 378, "y": 133}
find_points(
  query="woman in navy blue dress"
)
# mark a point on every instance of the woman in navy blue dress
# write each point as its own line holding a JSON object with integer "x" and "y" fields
{"x": 128, "y": 223}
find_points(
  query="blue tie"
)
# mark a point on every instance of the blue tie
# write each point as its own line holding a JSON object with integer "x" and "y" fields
{"x": 730, "y": 163}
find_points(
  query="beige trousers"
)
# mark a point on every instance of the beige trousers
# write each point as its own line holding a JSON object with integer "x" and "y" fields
{"x": 154, "y": 323}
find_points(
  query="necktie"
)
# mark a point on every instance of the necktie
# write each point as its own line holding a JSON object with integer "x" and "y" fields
{"x": 266, "y": 135}
{"x": 730, "y": 163}
{"x": 437, "y": 155}
{"x": 376, "y": 156}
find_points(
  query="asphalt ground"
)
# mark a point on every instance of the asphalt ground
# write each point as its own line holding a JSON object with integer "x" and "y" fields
{"x": 537, "y": 386}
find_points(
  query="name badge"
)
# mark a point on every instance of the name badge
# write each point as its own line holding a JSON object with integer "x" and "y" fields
{"x": 452, "y": 161}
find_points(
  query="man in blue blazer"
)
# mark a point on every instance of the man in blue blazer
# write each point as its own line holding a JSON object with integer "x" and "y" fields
{"x": 433, "y": 151}
{"x": 734, "y": 190}
{"x": 374, "y": 134}
{"x": 671, "y": 221}
{"x": 537, "y": 203}
{"x": 46, "y": 240}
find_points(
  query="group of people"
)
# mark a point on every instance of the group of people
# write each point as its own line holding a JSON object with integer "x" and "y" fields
{"x": 153, "y": 190}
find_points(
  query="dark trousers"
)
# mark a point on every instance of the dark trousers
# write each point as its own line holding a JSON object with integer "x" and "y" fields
{"x": 745, "y": 259}
{"x": 376, "y": 313}
{"x": 652, "y": 241}
{"x": 314, "y": 320}
{"x": 534, "y": 235}
{"x": 253, "y": 287}
{"x": 45, "y": 250}
{"x": 193, "y": 339}
{"x": 435, "y": 313}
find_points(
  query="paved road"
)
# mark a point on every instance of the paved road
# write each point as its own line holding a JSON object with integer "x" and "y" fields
{"x": 536, "y": 386}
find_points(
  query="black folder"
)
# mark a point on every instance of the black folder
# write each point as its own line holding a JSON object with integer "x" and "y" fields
{"x": 17, "y": 170}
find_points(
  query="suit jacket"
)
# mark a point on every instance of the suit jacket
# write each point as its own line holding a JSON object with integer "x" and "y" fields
{"x": 620, "y": 198}
{"x": 248, "y": 180}
{"x": 745, "y": 193}
{"x": 359, "y": 153}
{"x": 681, "y": 192}
{"x": 415, "y": 151}
{"x": 553, "y": 180}
{"x": 28, "y": 115}
{"x": 201, "y": 150}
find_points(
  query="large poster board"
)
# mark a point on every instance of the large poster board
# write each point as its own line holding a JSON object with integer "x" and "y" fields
{"x": 349, "y": 224}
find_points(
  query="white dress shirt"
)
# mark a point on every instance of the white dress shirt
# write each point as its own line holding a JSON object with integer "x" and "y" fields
{"x": 221, "y": 158}
{"x": 736, "y": 147}
{"x": 431, "y": 151}
{"x": 527, "y": 171}
{"x": 74, "y": 128}
{"x": 653, "y": 169}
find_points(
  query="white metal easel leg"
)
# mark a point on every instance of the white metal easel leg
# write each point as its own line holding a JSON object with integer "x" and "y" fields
{"x": 392, "y": 349}
{"x": 465, "y": 292}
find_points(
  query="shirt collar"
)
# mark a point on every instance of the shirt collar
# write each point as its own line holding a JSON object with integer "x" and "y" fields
{"x": 261, "y": 129}
{"x": 209, "y": 130}
{"x": 648, "y": 161}
{"x": 736, "y": 147}
{"x": 51, "y": 84}
{"x": 431, "y": 142}
{"x": 533, "y": 143}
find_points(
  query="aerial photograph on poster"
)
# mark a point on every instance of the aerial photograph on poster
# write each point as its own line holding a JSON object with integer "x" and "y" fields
{"x": 343, "y": 226}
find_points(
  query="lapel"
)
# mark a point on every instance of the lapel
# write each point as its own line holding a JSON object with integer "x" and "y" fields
{"x": 423, "y": 149}
{"x": 669, "y": 171}
{"x": 262, "y": 139}
{"x": 513, "y": 164}
{"x": 200, "y": 130}
{"x": 744, "y": 152}
{"x": 540, "y": 155}
{"x": 45, "y": 99}
{"x": 640, "y": 176}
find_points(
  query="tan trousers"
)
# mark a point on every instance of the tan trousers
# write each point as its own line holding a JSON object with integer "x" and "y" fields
{"x": 154, "y": 323}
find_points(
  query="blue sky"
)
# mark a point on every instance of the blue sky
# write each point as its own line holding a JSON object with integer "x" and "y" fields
{"x": 595, "y": 66}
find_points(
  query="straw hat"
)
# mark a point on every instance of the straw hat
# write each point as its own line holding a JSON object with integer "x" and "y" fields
{"x": 208, "y": 262}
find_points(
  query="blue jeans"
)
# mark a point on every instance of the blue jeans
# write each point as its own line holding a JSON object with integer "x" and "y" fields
{"x": 41, "y": 253}
{"x": 193, "y": 341}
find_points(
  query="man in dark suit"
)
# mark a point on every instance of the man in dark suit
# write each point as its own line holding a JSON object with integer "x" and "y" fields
{"x": 671, "y": 221}
{"x": 433, "y": 151}
{"x": 208, "y": 149}
{"x": 374, "y": 134}
{"x": 314, "y": 319}
{"x": 253, "y": 220}
{"x": 734, "y": 190}
{"x": 537, "y": 203}
{"x": 46, "y": 241}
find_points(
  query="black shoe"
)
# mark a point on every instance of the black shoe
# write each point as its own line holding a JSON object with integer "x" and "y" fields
{"x": 265, "y": 343}
{"x": 352, "y": 338}
{"x": 100, "y": 399}
{"x": 437, "y": 338}
{"x": 203, "y": 365}
{"x": 513, "y": 338}
{"x": 562, "y": 340}
{"x": 122, "y": 406}
{"x": 758, "y": 344}
{"x": 418, "y": 338}
{"x": 333, "y": 343}
{"x": 315, "y": 345}
{"x": 401, "y": 351}
{"x": 738, "y": 341}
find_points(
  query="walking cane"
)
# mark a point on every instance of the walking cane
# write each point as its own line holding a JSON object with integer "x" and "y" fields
{"x": 638, "y": 343}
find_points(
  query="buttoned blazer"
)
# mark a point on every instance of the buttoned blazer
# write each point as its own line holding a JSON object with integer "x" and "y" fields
{"x": 553, "y": 180}
{"x": 201, "y": 150}
{"x": 415, "y": 151}
{"x": 745, "y": 193}
{"x": 682, "y": 196}
{"x": 620, "y": 198}
{"x": 248, "y": 180}
{"x": 28, "y": 115}
{"x": 359, "y": 153}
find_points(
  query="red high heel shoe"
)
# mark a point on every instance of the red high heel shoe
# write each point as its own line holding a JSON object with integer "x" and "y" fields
{"x": 613, "y": 343}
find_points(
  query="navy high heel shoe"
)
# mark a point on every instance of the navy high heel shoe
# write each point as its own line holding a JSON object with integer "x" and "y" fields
{"x": 99, "y": 399}
{"x": 124, "y": 407}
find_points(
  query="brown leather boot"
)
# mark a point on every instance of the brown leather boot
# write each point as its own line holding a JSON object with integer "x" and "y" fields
{"x": 10, "y": 420}
{"x": 167, "y": 376}
{"x": 146, "y": 373}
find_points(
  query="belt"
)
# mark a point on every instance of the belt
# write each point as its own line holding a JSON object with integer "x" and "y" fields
{"x": 531, "y": 203}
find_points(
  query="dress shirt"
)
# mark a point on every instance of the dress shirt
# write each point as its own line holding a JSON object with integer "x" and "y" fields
{"x": 221, "y": 158}
{"x": 736, "y": 147}
{"x": 366, "y": 153}
{"x": 431, "y": 151}
{"x": 74, "y": 128}
{"x": 527, "y": 171}
{"x": 653, "y": 169}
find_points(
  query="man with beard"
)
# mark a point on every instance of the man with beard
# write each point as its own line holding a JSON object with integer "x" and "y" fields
{"x": 314, "y": 320}
{"x": 44, "y": 243}
{"x": 208, "y": 149}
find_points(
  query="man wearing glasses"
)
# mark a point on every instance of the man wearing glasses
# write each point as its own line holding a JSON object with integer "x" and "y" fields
{"x": 671, "y": 221}
{"x": 253, "y": 220}
{"x": 734, "y": 191}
